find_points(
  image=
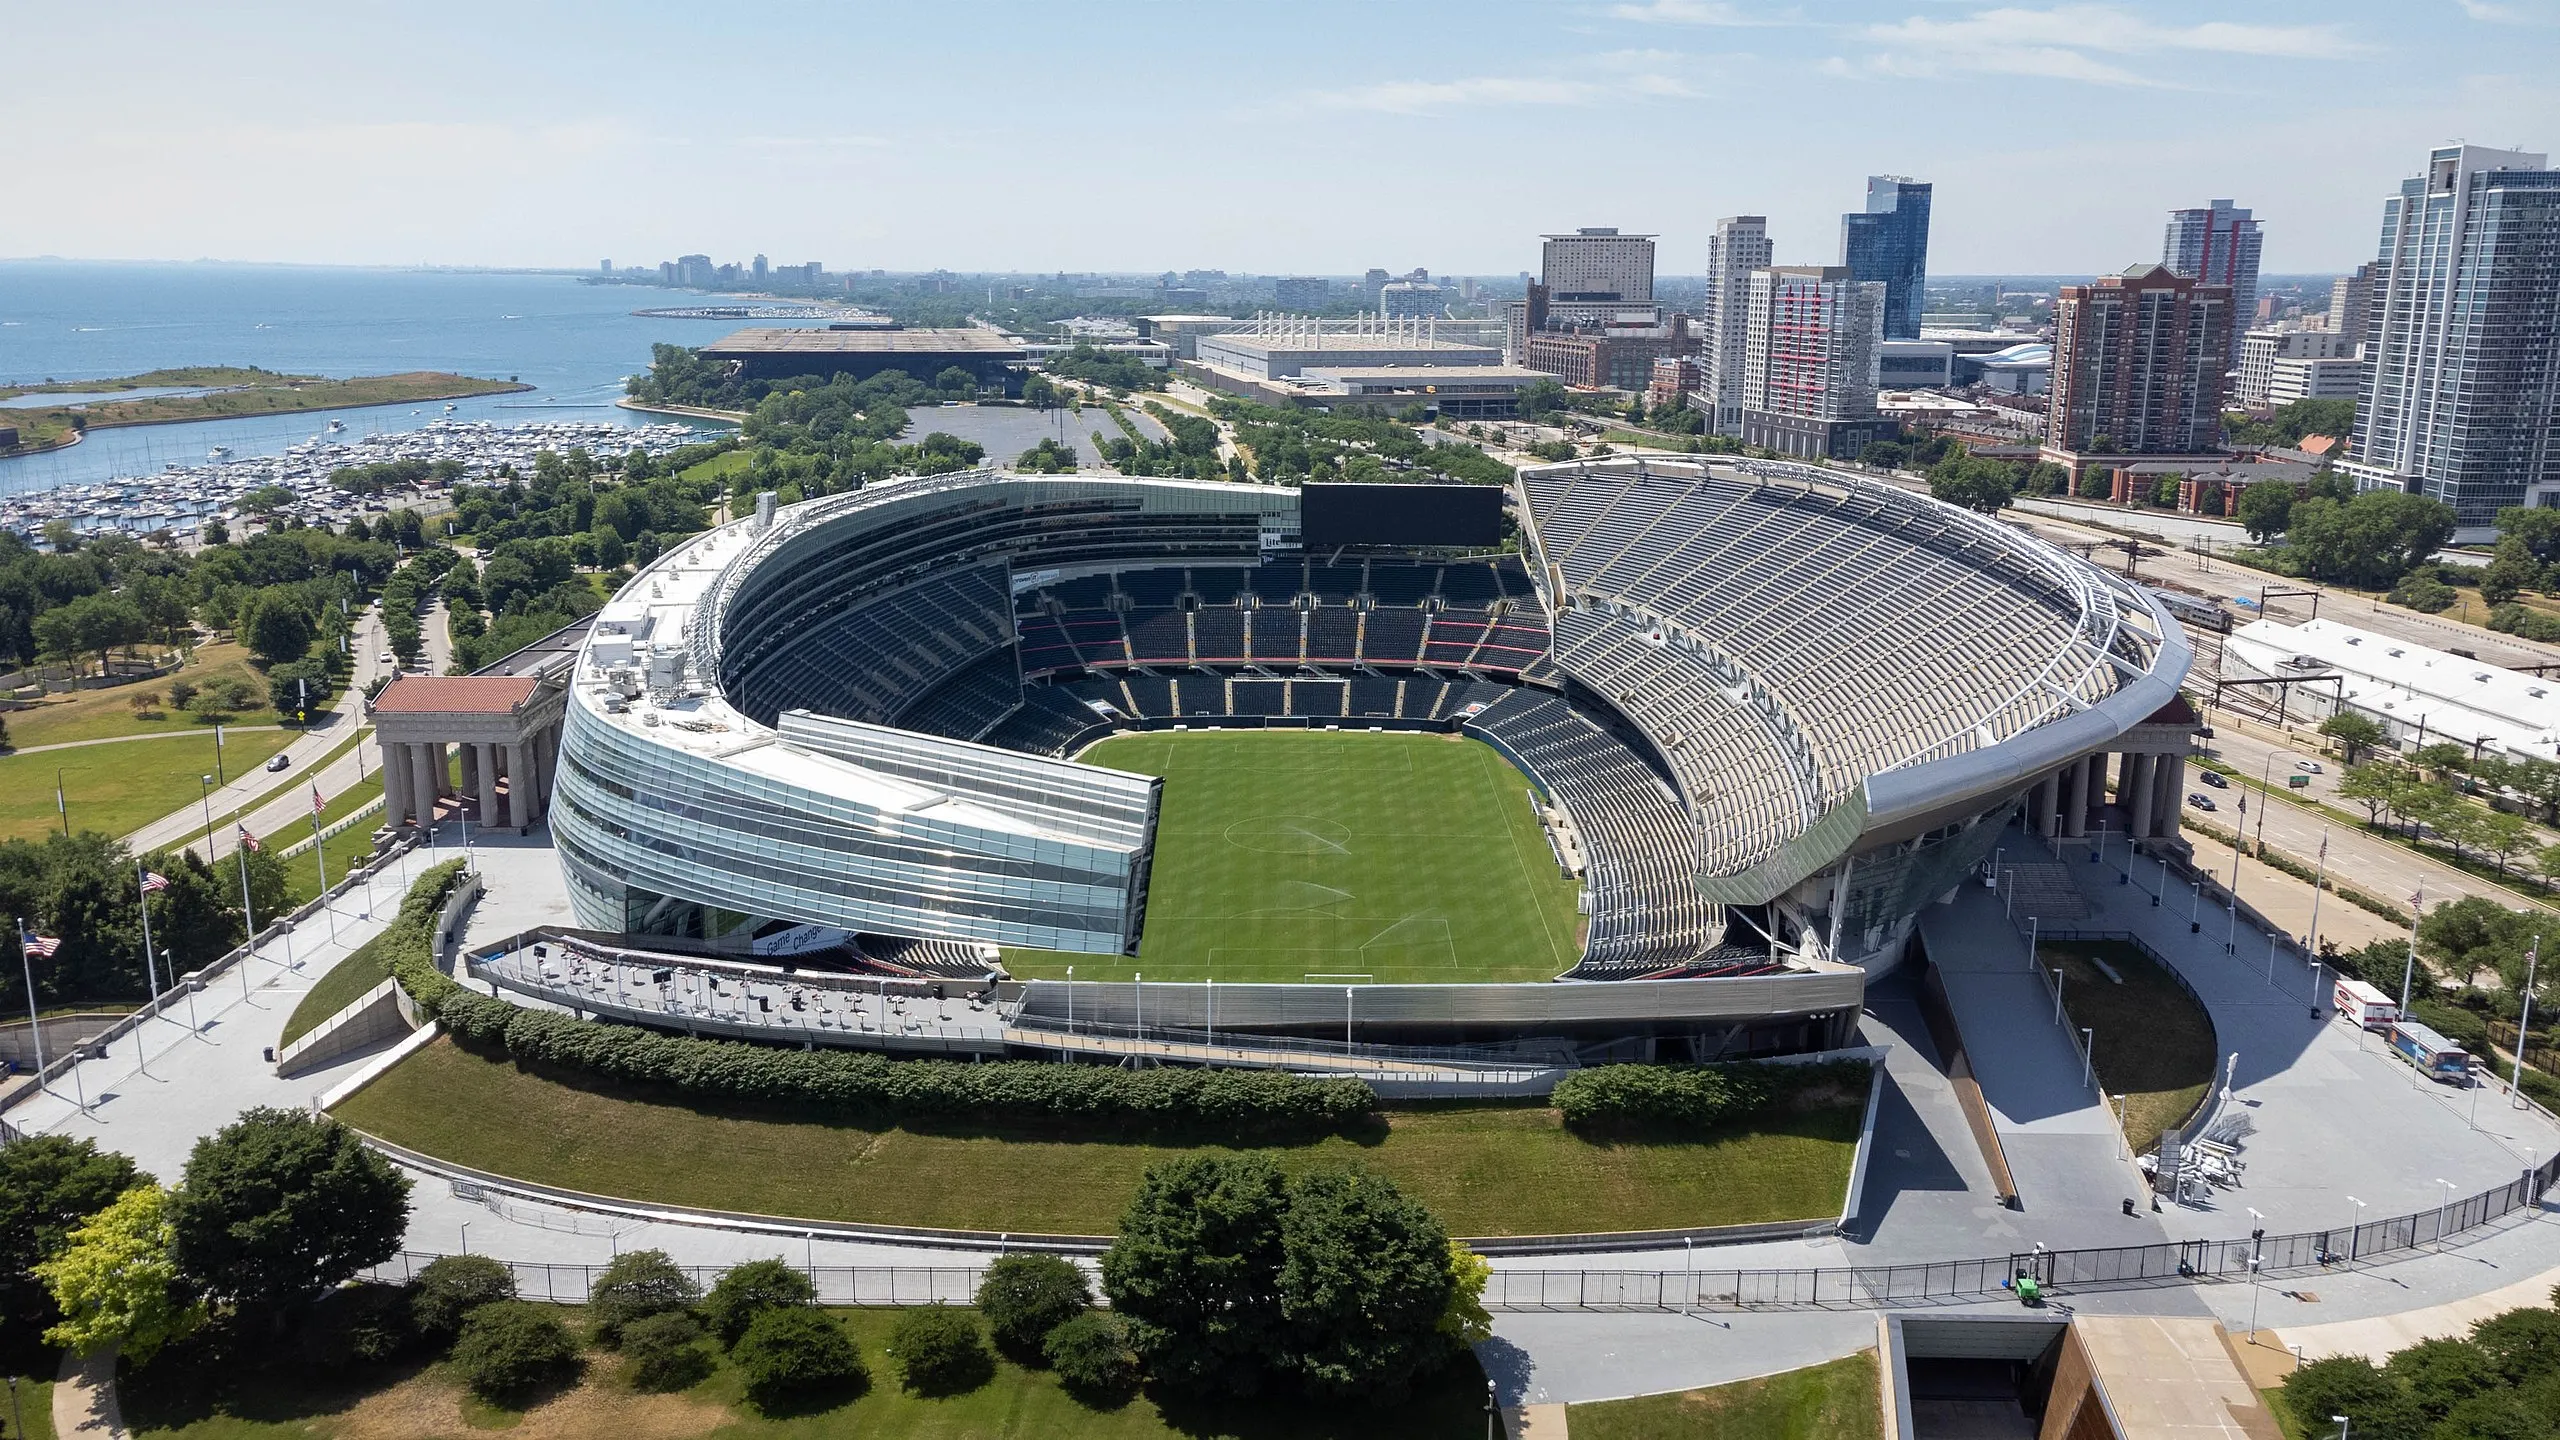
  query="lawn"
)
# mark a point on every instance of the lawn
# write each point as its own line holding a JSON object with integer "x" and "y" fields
{"x": 404, "y": 1401}
{"x": 34, "y": 1402}
{"x": 2154, "y": 1044}
{"x": 1484, "y": 1170}
{"x": 98, "y": 714}
{"x": 352, "y": 845}
{"x": 116, "y": 789}
{"x": 1834, "y": 1401}
{"x": 720, "y": 467}
{"x": 335, "y": 991}
{"x": 1298, "y": 856}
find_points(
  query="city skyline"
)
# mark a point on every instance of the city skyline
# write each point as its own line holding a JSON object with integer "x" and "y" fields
{"x": 2061, "y": 137}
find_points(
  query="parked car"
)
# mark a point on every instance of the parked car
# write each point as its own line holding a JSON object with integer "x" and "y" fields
{"x": 280, "y": 762}
{"x": 387, "y": 658}
{"x": 2215, "y": 780}
{"x": 2202, "y": 801}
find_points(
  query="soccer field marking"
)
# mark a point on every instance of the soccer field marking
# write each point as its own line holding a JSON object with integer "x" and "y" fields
{"x": 1289, "y": 835}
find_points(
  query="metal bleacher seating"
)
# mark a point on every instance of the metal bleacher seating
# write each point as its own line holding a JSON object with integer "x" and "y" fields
{"x": 970, "y": 703}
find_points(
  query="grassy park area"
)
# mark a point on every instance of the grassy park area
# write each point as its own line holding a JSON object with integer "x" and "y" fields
{"x": 401, "y": 1401}
{"x": 1505, "y": 1169}
{"x": 1833, "y": 1401}
{"x": 115, "y": 789}
{"x": 1295, "y": 856}
{"x": 101, "y": 714}
{"x": 2154, "y": 1044}
{"x": 230, "y": 392}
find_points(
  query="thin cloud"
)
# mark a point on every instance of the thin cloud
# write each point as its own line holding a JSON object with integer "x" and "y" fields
{"x": 1428, "y": 97}
{"x": 2116, "y": 31}
{"x": 2489, "y": 14}
{"x": 2043, "y": 62}
{"x": 1690, "y": 12}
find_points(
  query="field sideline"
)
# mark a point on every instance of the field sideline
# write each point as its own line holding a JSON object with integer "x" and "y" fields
{"x": 1330, "y": 858}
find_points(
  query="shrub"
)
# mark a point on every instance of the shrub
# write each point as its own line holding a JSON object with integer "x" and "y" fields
{"x": 1024, "y": 1297}
{"x": 511, "y": 1348}
{"x": 364, "y": 1323}
{"x": 873, "y": 1088}
{"x": 796, "y": 1356}
{"x": 1092, "y": 1356}
{"x": 750, "y": 1290}
{"x": 940, "y": 1352}
{"x": 1689, "y": 1097}
{"x": 452, "y": 1286}
{"x": 661, "y": 1352}
{"x": 635, "y": 1287}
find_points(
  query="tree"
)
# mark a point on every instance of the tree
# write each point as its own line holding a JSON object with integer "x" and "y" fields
{"x": 1363, "y": 1286}
{"x": 660, "y": 1354}
{"x": 1039, "y": 393}
{"x": 1047, "y": 458}
{"x": 278, "y": 1206}
{"x": 512, "y": 1350}
{"x": 2503, "y": 835}
{"x": 2443, "y": 757}
{"x": 939, "y": 1351}
{"x": 275, "y": 627}
{"x": 116, "y": 1282}
{"x": 749, "y": 1290}
{"x": 1092, "y": 1357}
{"x": 2510, "y": 571}
{"x": 2096, "y": 483}
{"x": 1024, "y": 1297}
{"x": 1195, "y": 1272}
{"x": 638, "y": 1284}
{"x": 2264, "y": 508}
{"x": 2546, "y": 863}
{"x": 1540, "y": 399}
{"x": 48, "y": 1185}
{"x": 955, "y": 380}
{"x": 1985, "y": 487}
{"x": 2472, "y": 934}
{"x": 2442, "y": 1373}
{"x": 2354, "y": 733}
{"x": 795, "y": 1357}
{"x": 452, "y": 1286}
{"x": 2377, "y": 787}
{"x": 2535, "y": 525}
{"x": 2352, "y": 1385}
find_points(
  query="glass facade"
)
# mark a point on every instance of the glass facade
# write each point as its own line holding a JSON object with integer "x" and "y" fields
{"x": 1889, "y": 242}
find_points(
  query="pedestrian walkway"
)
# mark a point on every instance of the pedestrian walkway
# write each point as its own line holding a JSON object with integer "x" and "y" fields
{"x": 2377, "y": 1336}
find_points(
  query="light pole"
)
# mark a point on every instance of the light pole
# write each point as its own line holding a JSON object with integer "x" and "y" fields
{"x": 2317, "y": 883}
{"x": 2408, "y": 967}
{"x": 205, "y": 794}
{"x": 2088, "y": 1050}
{"x": 2524, "y": 1025}
{"x": 2254, "y": 1293}
{"x": 1071, "y": 1002}
{"x": 1346, "y": 1020}
{"x": 2356, "y": 1233}
{"x": 2231, "y": 932}
{"x": 2448, "y": 1193}
{"x": 1689, "y": 1272}
{"x": 466, "y": 1237}
{"x": 1139, "y": 978}
{"x": 2057, "y": 994}
{"x": 2343, "y": 1423}
{"x": 2266, "y": 775}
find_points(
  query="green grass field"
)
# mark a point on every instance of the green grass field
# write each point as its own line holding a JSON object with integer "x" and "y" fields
{"x": 1832, "y": 1401}
{"x": 115, "y": 789}
{"x": 1295, "y": 856}
{"x": 2154, "y": 1045}
{"x": 1501, "y": 1169}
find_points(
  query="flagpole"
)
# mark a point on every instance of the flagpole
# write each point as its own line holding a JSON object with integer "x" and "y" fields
{"x": 2319, "y": 881}
{"x": 240, "y": 852}
{"x": 320, "y": 853}
{"x": 150, "y": 971}
{"x": 35, "y": 1021}
{"x": 2417, "y": 907}
{"x": 60, "y": 804}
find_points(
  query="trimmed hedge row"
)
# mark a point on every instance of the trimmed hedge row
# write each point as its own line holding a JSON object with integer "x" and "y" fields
{"x": 852, "y": 1085}
{"x": 872, "y": 1087}
{"x": 1691, "y": 1097}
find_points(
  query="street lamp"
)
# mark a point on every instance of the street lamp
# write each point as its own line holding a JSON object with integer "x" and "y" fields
{"x": 2342, "y": 1422}
{"x": 2088, "y": 1046}
{"x": 2357, "y": 1234}
{"x": 1689, "y": 1271}
{"x": 205, "y": 794}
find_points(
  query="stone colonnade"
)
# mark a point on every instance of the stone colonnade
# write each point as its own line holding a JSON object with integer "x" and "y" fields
{"x": 418, "y": 773}
{"x": 2149, "y": 786}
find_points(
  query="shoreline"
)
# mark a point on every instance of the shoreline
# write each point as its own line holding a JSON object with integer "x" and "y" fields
{"x": 692, "y": 412}
{"x": 66, "y": 442}
{"x": 507, "y": 387}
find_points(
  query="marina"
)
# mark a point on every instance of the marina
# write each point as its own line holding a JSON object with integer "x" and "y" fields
{"x": 182, "y": 496}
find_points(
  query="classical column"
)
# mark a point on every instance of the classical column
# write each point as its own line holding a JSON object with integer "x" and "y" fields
{"x": 488, "y": 767}
{"x": 537, "y": 774}
{"x": 2136, "y": 793}
{"x": 2075, "y": 799}
{"x": 395, "y": 783}
{"x": 426, "y": 764}
{"x": 470, "y": 769}
{"x": 2040, "y": 806}
{"x": 2096, "y": 788}
{"x": 2173, "y": 791}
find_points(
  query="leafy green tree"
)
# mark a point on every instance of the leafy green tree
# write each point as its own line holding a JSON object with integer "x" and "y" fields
{"x": 276, "y": 627}
{"x": 954, "y": 380}
{"x": 749, "y": 1290}
{"x": 1985, "y": 487}
{"x": 2377, "y": 787}
{"x": 2096, "y": 483}
{"x": 2354, "y": 733}
{"x": 1039, "y": 393}
{"x": 1047, "y": 458}
{"x": 1024, "y": 1297}
{"x": 2472, "y": 934}
{"x": 278, "y": 1206}
{"x": 2352, "y": 1385}
{"x": 1092, "y": 1357}
{"x": 49, "y": 1184}
{"x": 1195, "y": 1272}
{"x": 1540, "y": 399}
{"x": 661, "y": 1353}
{"x": 2443, "y": 757}
{"x": 939, "y": 1351}
{"x": 2511, "y": 571}
{"x": 2523, "y": 1344}
{"x": 638, "y": 1284}
{"x": 116, "y": 1282}
{"x": 512, "y": 1350}
{"x": 2535, "y": 525}
{"x": 2264, "y": 508}
{"x": 452, "y": 1286}
{"x": 1363, "y": 1286}
{"x": 2504, "y": 836}
{"x": 797, "y": 1357}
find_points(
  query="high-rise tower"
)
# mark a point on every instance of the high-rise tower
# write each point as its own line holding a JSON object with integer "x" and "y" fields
{"x": 1739, "y": 246}
{"x": 2219, "y": 246}
{"x": 1889, "y": 241}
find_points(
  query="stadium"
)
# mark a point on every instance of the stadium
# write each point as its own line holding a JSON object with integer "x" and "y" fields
{"x": 1631, "y": 759}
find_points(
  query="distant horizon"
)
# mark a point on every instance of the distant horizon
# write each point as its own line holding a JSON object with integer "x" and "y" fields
{"x": 1152, "y": 273}
{"x": 1327, "y": 136}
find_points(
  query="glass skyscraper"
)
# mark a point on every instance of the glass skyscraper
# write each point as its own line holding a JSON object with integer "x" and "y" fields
{"x": 1889, "y": 242}
{"x": 2462, "y": 341}
{"x": 2218, "y": 245}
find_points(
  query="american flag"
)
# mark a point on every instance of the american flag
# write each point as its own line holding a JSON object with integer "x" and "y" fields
{"x": 248, "y": 841}
{"x": 40, "y": 947}
{"x": 153, "y": 882}
{"x": 317, "y": 804}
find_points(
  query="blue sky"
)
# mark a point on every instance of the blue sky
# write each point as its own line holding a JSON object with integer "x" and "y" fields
{"x": 1311, "y": 136}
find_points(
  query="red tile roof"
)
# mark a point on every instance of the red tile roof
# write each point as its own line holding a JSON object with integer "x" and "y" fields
{"x": 455, "y": 694}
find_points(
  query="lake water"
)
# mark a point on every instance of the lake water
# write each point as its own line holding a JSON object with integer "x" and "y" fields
{"x": 67, "y": 320}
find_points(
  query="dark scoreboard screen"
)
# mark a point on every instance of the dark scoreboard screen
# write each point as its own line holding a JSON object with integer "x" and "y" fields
{"x": 1452, "y": 517}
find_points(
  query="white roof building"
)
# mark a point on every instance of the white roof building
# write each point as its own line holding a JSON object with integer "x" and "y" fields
{"x": 2421, "y": 695}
